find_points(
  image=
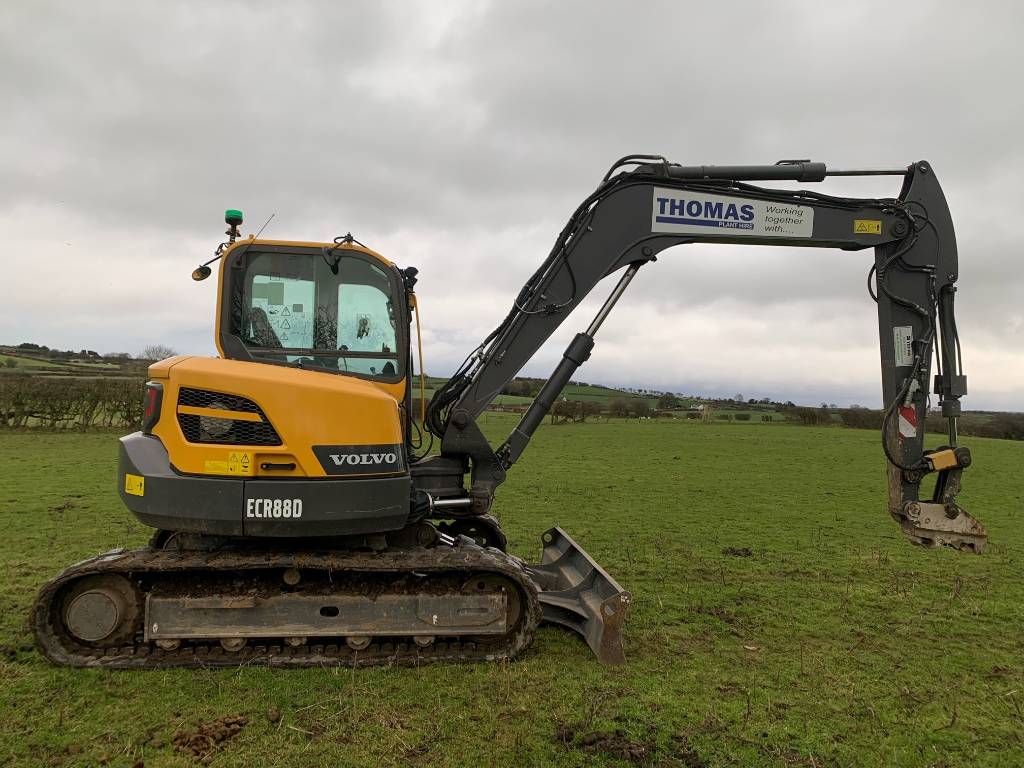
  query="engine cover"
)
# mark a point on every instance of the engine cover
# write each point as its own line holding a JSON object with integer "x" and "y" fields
{"x": 254, "y": 449}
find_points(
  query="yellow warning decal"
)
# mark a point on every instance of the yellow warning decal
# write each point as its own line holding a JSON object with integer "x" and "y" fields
{"x": 240, "y": 463}
{"x": 867, "y": 227}
{"x": 134, "y": 484}
{"x": 217, "y": 467}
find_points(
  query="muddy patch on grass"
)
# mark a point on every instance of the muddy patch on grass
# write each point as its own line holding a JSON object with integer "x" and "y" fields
{"x": 617, "y": 744}
{"x": 201, "y": 743}
{"x": 16, "y": 653}
{"x": 738, "y": 552}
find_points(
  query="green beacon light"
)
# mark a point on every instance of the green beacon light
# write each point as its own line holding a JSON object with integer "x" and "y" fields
{"x": 233, "y": 219}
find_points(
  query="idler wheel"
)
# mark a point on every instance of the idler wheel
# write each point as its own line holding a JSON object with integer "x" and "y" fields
{"x": 358, "y": 642}
{"x": 101, "y": 610}
{"x": 232, "y": 644}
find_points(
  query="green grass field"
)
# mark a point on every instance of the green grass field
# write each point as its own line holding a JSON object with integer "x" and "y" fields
{"x": 26, "y": 362}
{"x": 37, "y": 366}
{"x": 585, "y": 392}
{"x": 833, "y": 642}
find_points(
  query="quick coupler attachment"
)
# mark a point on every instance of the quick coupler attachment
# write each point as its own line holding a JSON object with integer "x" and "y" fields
{"x": 931, "y": 524}
{"x": 940, "y": 521}
{"x": 577, "y": 593}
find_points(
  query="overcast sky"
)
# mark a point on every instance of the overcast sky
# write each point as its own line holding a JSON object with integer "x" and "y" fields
{"x": 458, "y": 137}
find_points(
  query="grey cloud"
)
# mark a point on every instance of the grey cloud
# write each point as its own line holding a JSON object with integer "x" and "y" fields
{"x": 461, "y": 135}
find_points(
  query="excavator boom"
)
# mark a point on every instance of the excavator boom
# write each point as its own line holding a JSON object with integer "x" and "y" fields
{"x": 636, "y": 214}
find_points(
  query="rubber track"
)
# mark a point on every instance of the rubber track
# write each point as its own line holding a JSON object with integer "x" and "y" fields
{"x": 59, "y": 648}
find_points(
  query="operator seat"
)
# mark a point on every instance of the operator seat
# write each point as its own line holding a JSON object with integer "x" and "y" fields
{"x": 262, "y": 330}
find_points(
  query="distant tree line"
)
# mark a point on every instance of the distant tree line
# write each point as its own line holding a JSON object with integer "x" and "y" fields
{"x": 43, "y": 351}
{"x": 621, "y": 406}
{"x": 1003, "y": 426}
{"x": 152, "y": 352}
{"x": 1007, "y": 426}
{"x": 67, "y": 403}
{"x": 574, "y": 410}
{"x": 156, "y": 352}
{"x": 116, "y": 401}
{"x": 522, "y": 387}
{"x": 668, "y": 401}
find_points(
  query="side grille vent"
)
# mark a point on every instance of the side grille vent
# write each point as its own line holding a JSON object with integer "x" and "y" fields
{"x": 202, "y": 398}
{"x": 198, "y": 428}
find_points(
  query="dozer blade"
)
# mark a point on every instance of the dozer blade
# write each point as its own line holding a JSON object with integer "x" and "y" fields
{"x": 577, "y": 594}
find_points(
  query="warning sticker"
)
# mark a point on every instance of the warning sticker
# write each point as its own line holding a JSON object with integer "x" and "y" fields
{"x": 867, "y": 227}
{"x": 907, "y": 421}
{"x": 217, "y": 467}
{"x": 240, "y": 463}
{"x": 134, "y": 484}
{"x": 683, "y": 211}
{"x": 903, "y": 343}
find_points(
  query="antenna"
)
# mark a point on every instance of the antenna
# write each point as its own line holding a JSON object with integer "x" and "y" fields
{"x": 233, "y": 218}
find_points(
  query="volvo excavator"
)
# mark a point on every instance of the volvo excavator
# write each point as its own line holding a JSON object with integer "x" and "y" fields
{"x": 304, "y": 513}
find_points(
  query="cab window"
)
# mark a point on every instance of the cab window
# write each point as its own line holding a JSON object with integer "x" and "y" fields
{"x": 333, "y": 310}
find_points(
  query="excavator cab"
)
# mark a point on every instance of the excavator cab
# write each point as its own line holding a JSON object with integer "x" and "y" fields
{"x": 299, "y": 428}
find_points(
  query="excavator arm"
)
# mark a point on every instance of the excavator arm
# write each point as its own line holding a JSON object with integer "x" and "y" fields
{"x": 645, "y": 205}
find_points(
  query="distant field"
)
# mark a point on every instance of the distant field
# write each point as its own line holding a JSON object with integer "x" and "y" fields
{"x": 35, "y": 365}
{"x": 596, "y": 393}
{"x": 585, "y": 392}
{"x": 25, "y": 362}
{"x": 831, "y": 642}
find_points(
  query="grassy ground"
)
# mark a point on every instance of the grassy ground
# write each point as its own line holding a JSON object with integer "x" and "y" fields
{"x": 831, "y": 643}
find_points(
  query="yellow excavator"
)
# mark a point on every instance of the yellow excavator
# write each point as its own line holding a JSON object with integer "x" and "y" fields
{"x": 302, "y": 513}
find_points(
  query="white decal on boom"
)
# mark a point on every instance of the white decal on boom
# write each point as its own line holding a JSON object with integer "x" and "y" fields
{"x": 699, "y": 213}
